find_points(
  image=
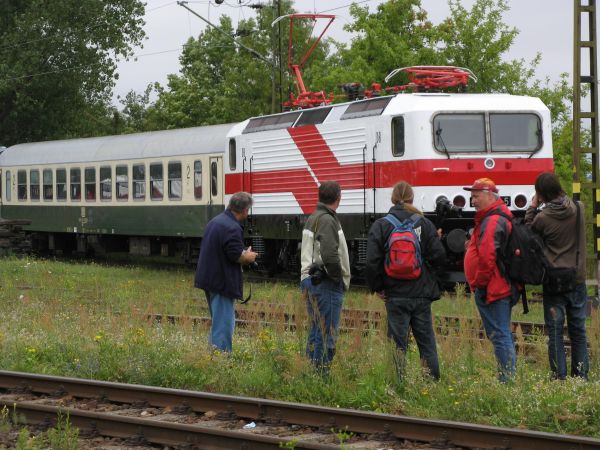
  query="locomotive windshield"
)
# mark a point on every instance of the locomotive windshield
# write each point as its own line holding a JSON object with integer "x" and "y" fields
{"x": 468, "y": 132}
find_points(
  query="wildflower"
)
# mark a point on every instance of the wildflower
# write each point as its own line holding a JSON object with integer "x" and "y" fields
{"x": 140, "y": 332}
{"x": 98, "y": 338}
{"x": 31, "y": 350}
{"x": 450, "y": 389}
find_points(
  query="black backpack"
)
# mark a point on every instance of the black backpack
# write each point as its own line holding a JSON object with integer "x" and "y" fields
{"x": 523, "y": 260}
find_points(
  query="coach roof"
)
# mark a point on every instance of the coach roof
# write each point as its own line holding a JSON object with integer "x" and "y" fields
{"x": 153, "y": 144}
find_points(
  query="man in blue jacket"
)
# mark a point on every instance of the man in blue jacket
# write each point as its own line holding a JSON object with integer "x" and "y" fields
{"x": 219, "y": 270}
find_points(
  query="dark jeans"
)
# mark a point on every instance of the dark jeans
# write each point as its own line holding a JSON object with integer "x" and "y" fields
{"x": 412, "y": 313}
{"x": 324, "y": 305}
{"x": 572, "y": 306}
{"x": 496, "y": 318}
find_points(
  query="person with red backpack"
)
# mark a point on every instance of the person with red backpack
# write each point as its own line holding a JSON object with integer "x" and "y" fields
{"x": 403, "y": 250}
{"x": 495, "y": 293}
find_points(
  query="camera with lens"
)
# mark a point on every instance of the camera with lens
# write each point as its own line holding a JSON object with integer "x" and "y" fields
{"x": 317, "y": 273}
{"x": 253, "y": 266}
{"x": 443, "y": 207}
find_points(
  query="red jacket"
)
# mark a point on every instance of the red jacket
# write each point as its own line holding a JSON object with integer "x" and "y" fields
{"x": 489, "y": 237}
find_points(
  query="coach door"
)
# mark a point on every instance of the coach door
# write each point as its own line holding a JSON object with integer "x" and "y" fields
{"x": 216, "y": 180}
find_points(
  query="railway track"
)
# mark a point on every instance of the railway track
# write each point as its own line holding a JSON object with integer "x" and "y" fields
{"x": 352, "y": 319}
{"x": 201, "y": 420}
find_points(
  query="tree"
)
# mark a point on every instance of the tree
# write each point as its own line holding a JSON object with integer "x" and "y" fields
{"x": 58, "y": 63}
{"x": 220, "y": 82}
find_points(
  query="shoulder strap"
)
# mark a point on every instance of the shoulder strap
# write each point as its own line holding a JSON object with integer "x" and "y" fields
{"x": 577, "y": 225}
{"x": 315, "y": 235}
{"x": 393, "y": 220}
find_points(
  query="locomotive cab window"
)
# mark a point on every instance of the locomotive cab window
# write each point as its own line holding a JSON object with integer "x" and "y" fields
{"x": 34, "y": 184}
{"x": 22, "y": 185}
{"x": 75, "y": 175}
{"x": 232, "y": 155}
{"x": 122, "y": 183}
{"x": 458, "y": 133}
{"x": 139, "y": 181}
{"x": 90, "y": 184}
{"x": 515, "y": 132}
{"x": 47, "y": 186}
{"x": 105, "y": 183}
{"x": 61, "y": 184}
{"x": 398, "y": 136}
{"x": 198, "y": 180}
{"x": 157, "y": 183}
{"x": 175, "y": 181}
{"x": 8, "y": 190}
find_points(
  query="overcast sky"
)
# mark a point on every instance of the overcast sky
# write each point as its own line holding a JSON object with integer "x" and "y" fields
{"x": 545, "y": 26}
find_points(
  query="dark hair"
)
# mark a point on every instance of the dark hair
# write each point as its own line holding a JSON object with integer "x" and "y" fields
{"x": 547, "y": 186}
{"x": 239, "y": 202}
{"x": 329, "y": 192}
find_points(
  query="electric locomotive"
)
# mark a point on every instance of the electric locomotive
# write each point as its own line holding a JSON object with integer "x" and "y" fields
{"x": 152, "y": 193}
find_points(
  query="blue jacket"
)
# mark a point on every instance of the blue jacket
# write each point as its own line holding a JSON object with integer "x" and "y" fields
{"x": 218, "y": 269}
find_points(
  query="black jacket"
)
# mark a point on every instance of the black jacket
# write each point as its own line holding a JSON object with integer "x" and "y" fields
{"x": 432, "y": 251}
{"x": 218, "y": 268}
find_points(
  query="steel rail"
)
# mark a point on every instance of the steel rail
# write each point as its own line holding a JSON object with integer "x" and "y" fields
{"x": 401, "y": 427}
{"x": 155, "y": 431}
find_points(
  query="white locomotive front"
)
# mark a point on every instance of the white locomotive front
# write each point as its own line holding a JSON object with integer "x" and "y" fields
{"x": 438, "y": 142}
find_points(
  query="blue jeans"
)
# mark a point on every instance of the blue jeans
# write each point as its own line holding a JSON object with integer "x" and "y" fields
{"x": 572, "y": 306}
{"x": 222, "y": 313}
{"x": 496, "y": 318}
{"x": 412, "y": 313}
{"x": 324, "y": 305}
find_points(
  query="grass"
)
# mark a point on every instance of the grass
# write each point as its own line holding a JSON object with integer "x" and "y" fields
{"x": 89, "y": 320}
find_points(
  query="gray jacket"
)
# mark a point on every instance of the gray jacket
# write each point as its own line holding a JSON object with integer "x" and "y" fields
{"x": 323, "y": 242}
{"x": 556, "y": 224}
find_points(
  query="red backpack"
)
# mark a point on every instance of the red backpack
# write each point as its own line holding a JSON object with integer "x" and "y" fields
{"x": 403, "y": 259}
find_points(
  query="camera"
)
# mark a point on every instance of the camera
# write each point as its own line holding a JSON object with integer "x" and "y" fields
{"x": 443, "y": 207}
{"x": 317, "y": 273}
{"x": 253, "y": 266}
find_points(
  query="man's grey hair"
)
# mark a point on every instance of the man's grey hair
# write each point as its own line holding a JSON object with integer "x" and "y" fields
{"x": 239, "y": 202}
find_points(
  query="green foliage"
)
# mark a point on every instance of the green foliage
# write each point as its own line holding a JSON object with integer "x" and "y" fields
{"x": 58, "y": 62}
{"x": 63, "y": 436}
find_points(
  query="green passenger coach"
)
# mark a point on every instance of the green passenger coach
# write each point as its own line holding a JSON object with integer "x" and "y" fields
{"x": 145, "y": 193}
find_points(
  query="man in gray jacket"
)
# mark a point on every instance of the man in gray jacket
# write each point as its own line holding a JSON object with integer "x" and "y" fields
{"x": 553, "y": 216}
{"x": 325, "y": 275}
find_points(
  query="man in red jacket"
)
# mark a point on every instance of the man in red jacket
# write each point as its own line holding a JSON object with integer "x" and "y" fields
{"x": 494, "y": 293}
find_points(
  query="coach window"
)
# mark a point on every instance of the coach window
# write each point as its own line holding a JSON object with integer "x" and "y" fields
{"x": 22, "y": 185}
{"x": 515, "y": 132}
{"x": 75, "y": 176}
{"x": 197, "y": 180}
{"x": 232, "y": 154}
{"x": 157, "y": 183}
{"x": 105, "y": 183}
{"x": 34, "y": 184}
{"x": 459, "y": 133}
{"x": 47, "y": 186}
{"x": 61, "y": 184}
{"x": 398, "y": 136}
{"x": 122, "y": 178}
{"x": 8, "y": 191}
{"x": 175, "y": 181}
{"x": 139, "y": 181}
{"x": 90, "y": 184}
{"x": 214, "y": 180}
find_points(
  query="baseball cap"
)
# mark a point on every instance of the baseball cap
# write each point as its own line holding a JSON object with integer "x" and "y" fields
{"x": 483, "y": 184}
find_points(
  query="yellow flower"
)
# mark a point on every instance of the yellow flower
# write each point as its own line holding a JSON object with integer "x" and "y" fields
{"x": 140, "y": 332}
{"x": 98, "y": 338}
{"x": 30, "y": 349}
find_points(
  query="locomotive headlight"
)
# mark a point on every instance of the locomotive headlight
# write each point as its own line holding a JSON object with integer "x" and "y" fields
{"x": 520, "y": 201}
{"x": 459, "y": 201}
